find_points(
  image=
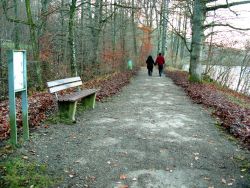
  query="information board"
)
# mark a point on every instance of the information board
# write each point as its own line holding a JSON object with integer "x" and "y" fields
{"x": 18, "y": 65}
{"x": 17, "y": 81}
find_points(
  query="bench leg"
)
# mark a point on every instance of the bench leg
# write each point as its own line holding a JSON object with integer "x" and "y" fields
{"x": 67, "y": 110}
{"x": 89, "y": 101}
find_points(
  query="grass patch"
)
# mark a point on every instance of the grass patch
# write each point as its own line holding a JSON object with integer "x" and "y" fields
{"x": 238, "y": 101}
{"x": 207, "y": 79}
{"x": 219, "y": 126}
{"x": 56, "y": 119}
{"x": 17, "y": 172}
{"x": 224, "y": 132}
{"x": 244, "y": 165}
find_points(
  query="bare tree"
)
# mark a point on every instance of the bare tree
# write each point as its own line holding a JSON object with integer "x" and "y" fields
{"x": 71, "y": 39}
{"x": 244, "y": 66}
{"x": 200, "y": 9}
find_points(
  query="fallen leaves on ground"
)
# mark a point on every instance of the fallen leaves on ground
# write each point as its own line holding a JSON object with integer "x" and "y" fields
{"x": 232, "y": 116}
{"x": 40, "y": 106}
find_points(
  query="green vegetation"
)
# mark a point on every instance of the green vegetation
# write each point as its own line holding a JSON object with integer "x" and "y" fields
{"x": 207, "y": 79}
{"x": 11, "y": 45}
{"x": 238, "y": 101}
{"x": 22, "y": 172}
{"x": 16, "y": 172}
{"x": 194, "y": 78}
{"x": 57, "y": 118}
{"x": 244, "y": 165}
{"x": 219, "y": 126}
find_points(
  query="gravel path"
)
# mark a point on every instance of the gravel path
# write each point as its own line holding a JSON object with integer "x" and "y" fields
{"x": 150, "y": 135}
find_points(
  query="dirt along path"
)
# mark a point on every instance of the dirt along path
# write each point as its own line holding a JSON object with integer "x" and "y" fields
{"x": 150, "y": 135}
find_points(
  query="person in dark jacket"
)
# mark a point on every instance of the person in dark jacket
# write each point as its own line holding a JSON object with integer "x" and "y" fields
{"x": 150, "y": 65}
{"x": 160, "y": 62}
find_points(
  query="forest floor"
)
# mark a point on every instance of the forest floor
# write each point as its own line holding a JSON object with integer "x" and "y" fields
{"x": 149, "y": 135}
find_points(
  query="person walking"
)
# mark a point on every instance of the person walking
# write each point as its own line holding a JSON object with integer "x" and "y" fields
{"x": 160, "y": 61}
{"x": 150, "y": 65}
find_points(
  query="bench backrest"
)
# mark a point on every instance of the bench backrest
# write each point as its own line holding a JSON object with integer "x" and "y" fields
{"x": 58, "y": 85}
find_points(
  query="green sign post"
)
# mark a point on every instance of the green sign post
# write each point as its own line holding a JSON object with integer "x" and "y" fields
{"x": 17, "y": 77}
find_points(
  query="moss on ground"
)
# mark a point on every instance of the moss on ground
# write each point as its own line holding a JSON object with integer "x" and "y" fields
{"x": 194, "y": 79}
{"x": 56, "y": 118}
{"x": 244, "y": 165}
{"x": 21, "y": 172}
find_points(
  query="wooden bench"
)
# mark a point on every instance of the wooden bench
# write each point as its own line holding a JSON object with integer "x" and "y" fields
{"x": 67, "y": 103}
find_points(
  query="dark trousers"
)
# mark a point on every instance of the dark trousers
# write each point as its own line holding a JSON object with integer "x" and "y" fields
{"x": 160, "y": 67}
{"x": 150, "y": 71}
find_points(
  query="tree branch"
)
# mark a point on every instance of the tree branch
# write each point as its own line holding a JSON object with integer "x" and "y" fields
{"x": 213, "y": 33}
{"x": 225, "y": 25}
{"x": 111, "y": 4}
{"x": 182, "y": 37}
{"x": 232, "y": 10}
{"x": 226, "y": 5}
{"x": 5, "y": 10}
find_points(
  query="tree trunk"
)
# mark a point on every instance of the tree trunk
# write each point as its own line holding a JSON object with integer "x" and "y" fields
{"x": 164, "y": 26}
{"x": 32, "y": 28}
{"x": 62, "y": 39}
{"x": 165, "y": 12}
{"x": 34, "y": 43}
{"x": 243, "y": 68}
{"x": 89, "y": 10}
{"x": 114, "y": 27}
{"x": 172, "y": 44}
{"x": 82, "y": 42}
{"x": 71, "y": 38}
{"x": 177, "y": 40}
{"x": 134, "y": 28}
{"x": 1, "y": 65}
{"x": 197, "y": 20}
{"x": 209, "y": 54}
{"x": 123, "y": 33}
{"x": 182, "y": 48}
{"x": 16, "y": 29}
{"x": 159, "y": 30}
{"x": 44, "y": 13}
{"x": 96, "y": 29}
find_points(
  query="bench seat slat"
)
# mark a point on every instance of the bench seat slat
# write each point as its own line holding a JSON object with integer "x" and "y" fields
{"x": 77, "y": 95}
{"x": 65, "y": 86}
{"x": 63, "y": 81}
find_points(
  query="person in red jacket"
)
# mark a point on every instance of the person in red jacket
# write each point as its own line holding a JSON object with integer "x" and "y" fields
{"x": 160, "y": 62}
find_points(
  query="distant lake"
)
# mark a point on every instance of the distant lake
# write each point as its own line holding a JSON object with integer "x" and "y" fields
{"x": 230, "y": 78}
